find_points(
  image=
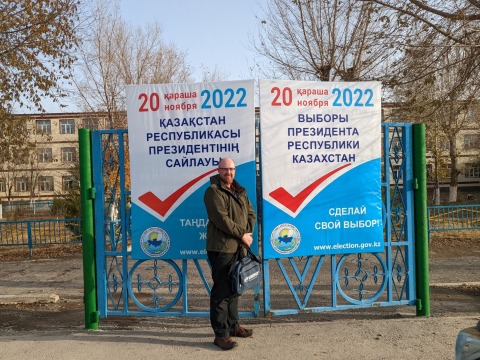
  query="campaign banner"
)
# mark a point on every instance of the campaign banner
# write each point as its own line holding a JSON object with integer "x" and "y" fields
{"x": 177, "y": 135}
{"x": 321, "y": 167}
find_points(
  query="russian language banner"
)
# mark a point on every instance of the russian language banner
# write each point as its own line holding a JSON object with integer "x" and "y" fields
{"x": 177, "y": 135}
{"x": 321, "y": 175}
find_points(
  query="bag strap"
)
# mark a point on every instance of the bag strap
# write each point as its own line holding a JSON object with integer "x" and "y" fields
{"x": 253, "y": 256}
{"x": 236, "y": 257}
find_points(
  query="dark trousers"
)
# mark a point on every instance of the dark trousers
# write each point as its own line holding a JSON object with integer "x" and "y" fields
{"x": 223, "y": 302}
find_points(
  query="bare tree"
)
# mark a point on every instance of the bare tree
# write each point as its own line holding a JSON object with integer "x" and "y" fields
{"x": 442, "y": 100}
{"x": 39, "y": 166}
{"x": 435, "y": 28}
{"x": 425, "y": 52}
{"x": 144, "y": 58}
{"x": 15, "y": 147}
{"x": 439, "y": 70}
{"x": 212, "y": 74}
{"x": 324, "y": 40}
{"x": 455, "y": 20}
{"x": 113, "y": 55}
{"x": 19, "y": 154}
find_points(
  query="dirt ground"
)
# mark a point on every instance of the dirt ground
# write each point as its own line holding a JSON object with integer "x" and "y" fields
{"x": 454, "y": 278}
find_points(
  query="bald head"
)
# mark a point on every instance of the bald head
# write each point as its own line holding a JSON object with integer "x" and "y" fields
{"x": 226, "y": 170}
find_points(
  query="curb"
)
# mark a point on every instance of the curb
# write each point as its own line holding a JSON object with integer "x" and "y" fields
{"x": 457, "y": 284}
{"x": 28, "y": 299}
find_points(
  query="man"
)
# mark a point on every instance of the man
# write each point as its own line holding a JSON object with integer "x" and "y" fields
{"x": 231, "y": 220}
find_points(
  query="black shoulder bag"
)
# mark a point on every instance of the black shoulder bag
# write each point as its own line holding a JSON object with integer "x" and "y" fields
{"x": 245, "y": 271}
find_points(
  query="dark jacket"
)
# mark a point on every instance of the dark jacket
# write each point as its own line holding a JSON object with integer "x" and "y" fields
{"x": 229, "y": 216}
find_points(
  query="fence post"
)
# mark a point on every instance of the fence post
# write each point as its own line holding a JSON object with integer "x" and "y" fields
{"x": 29, "y": 239}
{"x": 88, "y": 234}
{"x": 421, "y": 220}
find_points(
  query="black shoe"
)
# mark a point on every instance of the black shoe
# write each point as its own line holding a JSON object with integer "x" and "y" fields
{"x": 225, "y": 343}
{"x": 241, "y": 332}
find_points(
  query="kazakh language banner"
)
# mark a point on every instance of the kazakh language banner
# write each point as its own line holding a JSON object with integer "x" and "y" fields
{"x": 177, "y": 135}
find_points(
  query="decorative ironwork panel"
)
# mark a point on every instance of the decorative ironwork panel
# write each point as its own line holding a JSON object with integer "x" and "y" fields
{"x": 136, "y": 287}
{"x": 290, "y": 286}
{"x": 346, "y": 281}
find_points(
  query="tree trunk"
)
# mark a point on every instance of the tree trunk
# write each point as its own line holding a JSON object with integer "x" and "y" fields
{"x": 436, "y": 189}
{"x": 452, "y": 195}
{"x": 436, "y": 195}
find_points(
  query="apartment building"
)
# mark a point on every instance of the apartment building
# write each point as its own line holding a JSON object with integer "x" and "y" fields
{"x": 467, "y": 147}
{"x": 48, "y": 173}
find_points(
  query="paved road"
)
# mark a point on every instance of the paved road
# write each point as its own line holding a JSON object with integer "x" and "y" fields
{"x": 56, "y": 330}
{"x": 403, "y": 338}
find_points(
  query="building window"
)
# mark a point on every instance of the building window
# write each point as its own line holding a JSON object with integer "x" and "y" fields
{"x": 471, "y": 141}
{"x": 2, "y": 185}
{"x": 44, "y": 127}
{"x": 91, "y": 124}
{"x": 472, "y": 114}
{"x": 22, "y": 184}
{"x": 69, "y": 182}
{"x": 45, "y": 183}
{"x": 472, "y": 170}
{"x": 45, "y": 155}
{"x": 67, "y": 126}
{"x": 69, "y": 155}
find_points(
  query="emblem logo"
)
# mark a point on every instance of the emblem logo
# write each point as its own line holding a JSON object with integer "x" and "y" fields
{"x": 155, "y": 242}
{"x": 285, "y": 238}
